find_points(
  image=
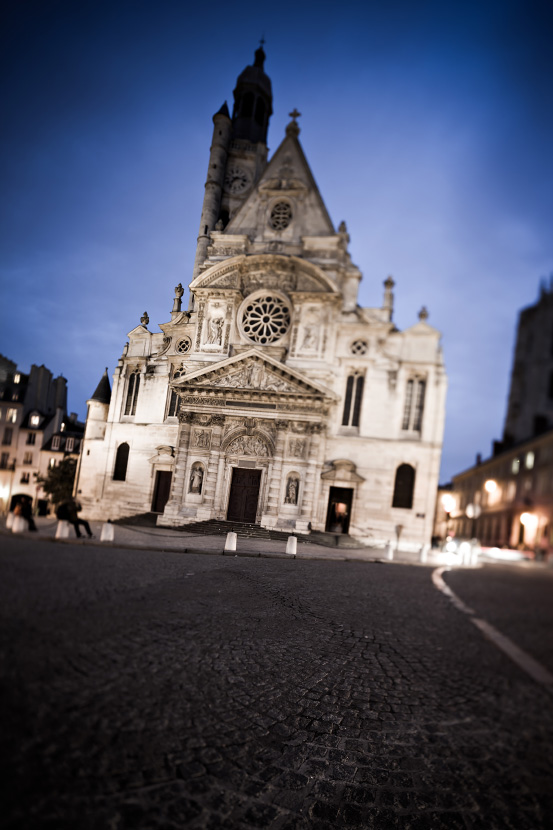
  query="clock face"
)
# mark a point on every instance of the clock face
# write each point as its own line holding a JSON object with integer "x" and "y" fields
{"x": 236, "y": 179}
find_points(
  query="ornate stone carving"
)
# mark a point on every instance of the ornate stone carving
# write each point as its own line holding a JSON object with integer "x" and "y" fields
{"x": 215, "y": 331}
{"x": 201, "y": 438}
{"x": 296, "y": 447}
{"x": 201, "y": 312}
{"x": 254, "y": 376}
{"x": 218, "y": 420}
{"x": 248, "y": 445}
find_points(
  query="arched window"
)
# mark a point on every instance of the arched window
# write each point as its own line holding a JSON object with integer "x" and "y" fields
{"x": 414, "y": 404}
{"x": 132, "y": 393}
{"x": 121, "y": 461}
{"x": 246, "y": 108}
{"x": 352, "y": 400}
{"x": 404, "y": 486}
{"x": 173, "y": 407}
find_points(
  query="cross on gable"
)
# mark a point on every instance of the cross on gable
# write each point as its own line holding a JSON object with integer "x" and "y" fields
{"x": 294, "y": 114}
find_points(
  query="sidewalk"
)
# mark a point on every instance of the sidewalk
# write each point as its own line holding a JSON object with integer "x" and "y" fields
{"x": 166, "y": 539}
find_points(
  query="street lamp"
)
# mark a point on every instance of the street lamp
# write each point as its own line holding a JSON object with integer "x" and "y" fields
{"x": 490, "y": 486}
{"x": 448, "y": 504}
{"x": 473, "y": 511}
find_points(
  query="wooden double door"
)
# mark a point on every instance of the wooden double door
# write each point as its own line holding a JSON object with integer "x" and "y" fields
{"x": 244, "y": 495}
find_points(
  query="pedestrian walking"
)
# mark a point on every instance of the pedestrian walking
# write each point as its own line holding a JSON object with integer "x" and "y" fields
{"x": 69, "y": 512}
{"x": 27, "y": 512}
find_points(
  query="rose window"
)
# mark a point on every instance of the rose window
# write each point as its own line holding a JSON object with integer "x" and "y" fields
{"x": 266, "y": 319}
{"x": 281, "y": 216}
{"x": 359, "y": 347}
{"x": 183, "y": 346}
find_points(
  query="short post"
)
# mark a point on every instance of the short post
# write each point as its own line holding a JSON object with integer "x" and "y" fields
{"x": 108, "y": 532}
{"x": 424, "y": 554}
{"x": 62, "y": 530}
{"x": 230, "y": 543}
{"x": 389, "y": 551}
{"x": 9, "y": 520}
{"x": 291, "y": 545}
{"x": 19, "y": 525}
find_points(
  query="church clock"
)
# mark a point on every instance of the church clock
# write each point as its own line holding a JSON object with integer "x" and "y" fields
{"x": 237, "y": 179}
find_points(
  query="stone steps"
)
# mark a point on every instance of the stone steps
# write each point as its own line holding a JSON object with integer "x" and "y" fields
{"x": 243, "y": 529}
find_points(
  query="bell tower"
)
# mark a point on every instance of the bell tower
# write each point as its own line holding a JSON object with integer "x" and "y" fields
{"x": 238, "y": 154}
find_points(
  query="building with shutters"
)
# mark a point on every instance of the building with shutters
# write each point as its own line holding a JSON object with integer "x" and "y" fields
{"x": 274, "y": 398}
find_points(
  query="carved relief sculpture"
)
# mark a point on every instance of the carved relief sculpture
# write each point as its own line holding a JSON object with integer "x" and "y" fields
{"x": 297, "y": 447}
{"x": 215, "y": 333}
{"x": 247, "y": 445}
{"x": 201, "y": 438}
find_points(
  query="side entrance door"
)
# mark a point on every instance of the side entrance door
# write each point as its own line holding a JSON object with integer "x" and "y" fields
{"x": 244, "y": 495}
{"x": 339, "y": 509}
{"x": 162, "y": 489}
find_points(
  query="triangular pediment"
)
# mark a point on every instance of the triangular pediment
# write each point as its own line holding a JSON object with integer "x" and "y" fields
{"x": 250, "y": 372}
{"x": 289, "y": 176}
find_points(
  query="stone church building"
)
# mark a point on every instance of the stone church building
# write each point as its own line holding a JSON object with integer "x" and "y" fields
{"x": 275, "y": 398}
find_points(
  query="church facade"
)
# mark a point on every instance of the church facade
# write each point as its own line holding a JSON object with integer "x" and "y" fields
{"x": 274, "y": 398}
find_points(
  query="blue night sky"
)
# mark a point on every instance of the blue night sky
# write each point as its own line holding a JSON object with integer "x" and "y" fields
{"x": 428, "y": 127}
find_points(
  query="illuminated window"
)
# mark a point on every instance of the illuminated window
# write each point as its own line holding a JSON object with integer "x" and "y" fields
{"x": 56, "y": 442}
{"x": 132, "y": 393}
{"x": 17, "y": 378}
{"x": 529, "y": 460}
{"x": 414, "y": 404}
{"x": 35, "y": 420}
{"x": 52, "y": 463}
{"x": 404, "y": 486}
{"x": 62, "y": 428}
{"x": 28, "y": 458}
{"x": 352, "y": 400}
{"x": 11, "y": 416}
{"x": 121, "y": 462}
{"x": 515, "y": 465}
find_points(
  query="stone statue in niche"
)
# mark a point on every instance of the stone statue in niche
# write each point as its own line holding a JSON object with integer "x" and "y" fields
{"x": 196, "y": 479}
{"x": 201, "y": 438}
{"x": 292, "y": 486}
{"x": 215, "y": 332}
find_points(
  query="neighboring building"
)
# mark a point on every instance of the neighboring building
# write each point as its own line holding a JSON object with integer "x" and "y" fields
{"x": 507, "y": 500}
{"x": 530, "y": 407}
{"x": 35, "y": 431}
{"x": 275, "y": 398}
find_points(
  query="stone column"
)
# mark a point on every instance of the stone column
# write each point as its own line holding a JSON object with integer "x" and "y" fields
{"x": 178, "y": 484}
{"x": 275, "y": 472}
{"x": 311, "y": 488}
{"x": 208, "y": 508}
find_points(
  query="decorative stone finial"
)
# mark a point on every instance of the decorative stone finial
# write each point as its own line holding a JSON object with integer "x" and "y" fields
{"x": 179, "y": 291}
{"x": 423, "y": 314}
{"x": 145, "y": 319}
{"x": 342, "y": 227}
{"x": 389, "y": 297}
{"x": 219, "y": 225}
{"x": 293, "y": 128}
{"x": 389, "y": 282}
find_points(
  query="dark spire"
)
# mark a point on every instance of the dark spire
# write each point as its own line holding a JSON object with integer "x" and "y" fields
{"x": 253, "y": 102}
{"x": 223, "y": 111}
{"x": 103, "y": 390}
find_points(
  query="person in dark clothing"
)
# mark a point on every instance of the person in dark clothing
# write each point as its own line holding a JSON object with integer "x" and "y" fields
{"x": 68, "y": 511}
{"x": 27, "y": 512}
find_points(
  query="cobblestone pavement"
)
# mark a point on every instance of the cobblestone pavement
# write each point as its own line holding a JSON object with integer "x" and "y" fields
{"x": 159, "y": 690}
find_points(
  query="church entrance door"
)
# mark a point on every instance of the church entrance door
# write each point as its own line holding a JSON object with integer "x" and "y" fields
{"x": 339, "y": 509}
{"x": 244, "y": 495}
{"x": 162, "y": 490}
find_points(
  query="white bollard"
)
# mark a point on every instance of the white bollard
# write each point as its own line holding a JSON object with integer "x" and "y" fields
{"x": 230, "y": 543}
{"x": 291, "y": 545}
{"x": 389, "y": 551}
{"x": 424, "y": 554}
{"x": 62, "y": 530}
{"x": 108, "y": 532}
{"x": 9, "y": 520}
{"x": 19, "y": 525}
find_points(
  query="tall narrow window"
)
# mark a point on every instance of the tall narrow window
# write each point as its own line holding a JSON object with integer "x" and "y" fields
{"x": 173, "y": 404}
{"x": 414, "y": 404}
{"x": 404, "y": 486}
{"x": 352, "y": 400}
{"x": 132, "y": 393}
{"x": 121, "y": 461}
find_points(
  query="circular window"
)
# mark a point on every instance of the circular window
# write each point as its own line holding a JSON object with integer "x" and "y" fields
{"x": 184, "y": 345}
{"x": 281, "y": 216}
{"x": 265, "y": 319}
{"x": 359, "y": 347}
